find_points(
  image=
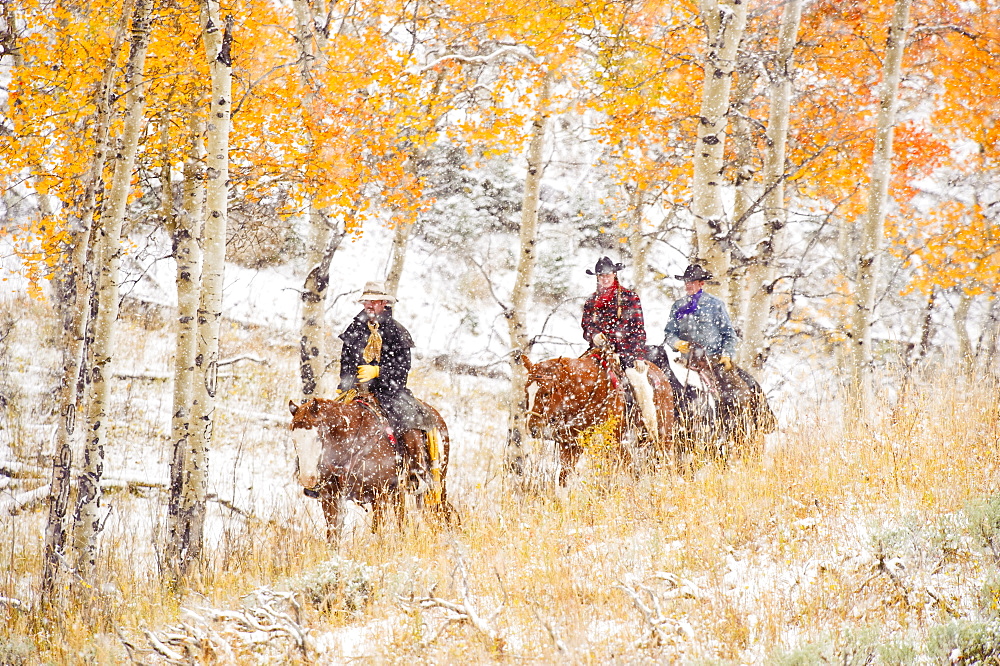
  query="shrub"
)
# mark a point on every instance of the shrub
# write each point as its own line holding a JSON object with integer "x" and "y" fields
{"x": 337, "y": 582}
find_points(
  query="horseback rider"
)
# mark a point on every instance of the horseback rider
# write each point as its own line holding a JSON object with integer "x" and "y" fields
{"x": 612, "y": 321}
{"x": 376, "y": 359}
{"x": 699, "y": 321}
{"x": 701, "y": 318}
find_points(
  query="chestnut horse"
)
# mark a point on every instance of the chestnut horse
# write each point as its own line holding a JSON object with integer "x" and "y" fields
{"x": 343, "y": 452}
{"x": 566, "y": 397}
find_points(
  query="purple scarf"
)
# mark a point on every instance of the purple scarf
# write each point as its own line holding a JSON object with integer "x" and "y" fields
{"x": 689, "y": 307}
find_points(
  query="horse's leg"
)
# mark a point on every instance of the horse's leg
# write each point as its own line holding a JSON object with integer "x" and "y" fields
{"x": 569, "y": 454}
{"x": 378, "y": 512}
{"x": 332, "y": 502}
{"x": 399, "y": 504}
{"x": 416, "y": 463}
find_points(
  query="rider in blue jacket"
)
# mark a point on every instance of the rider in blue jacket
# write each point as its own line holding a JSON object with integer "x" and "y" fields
{"x": 701, "y": 319}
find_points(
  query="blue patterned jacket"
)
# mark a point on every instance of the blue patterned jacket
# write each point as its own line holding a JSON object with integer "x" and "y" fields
{"x": 708, "y": 326}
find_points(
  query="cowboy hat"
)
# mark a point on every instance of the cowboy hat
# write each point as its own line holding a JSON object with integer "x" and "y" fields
{"x": 694, "y": 273}
{"x": 605, "y": 265}
{"x": 375, "y": 291}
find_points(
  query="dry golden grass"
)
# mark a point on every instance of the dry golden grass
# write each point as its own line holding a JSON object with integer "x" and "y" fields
{"x": 855, "y": 544}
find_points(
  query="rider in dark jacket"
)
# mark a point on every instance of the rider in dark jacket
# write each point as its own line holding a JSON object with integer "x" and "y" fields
{"x": 376, "y": 357}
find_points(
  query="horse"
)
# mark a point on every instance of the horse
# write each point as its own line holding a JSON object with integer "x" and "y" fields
{"x": 566, "y": 397}
{"x": 720, "y": 413}
{"x": 344, "y": 452}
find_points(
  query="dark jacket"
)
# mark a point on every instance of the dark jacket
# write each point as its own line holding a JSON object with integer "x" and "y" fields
{"x": 394, "y": 364}
{"x": 620, "y": 320}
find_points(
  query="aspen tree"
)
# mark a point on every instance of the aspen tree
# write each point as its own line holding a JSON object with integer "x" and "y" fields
{"x": 322, "y": 243}
{"x": 527, "y": 259}
{"x": 724, "y": 26}
{"x": 187, "y": 524}
{"x": 108, "y": 251}
{"x": 760, "y": 274}
{"x": 72, "y": 292}
{"x": 872, "y": 233}
{"x": 186, "y": 232}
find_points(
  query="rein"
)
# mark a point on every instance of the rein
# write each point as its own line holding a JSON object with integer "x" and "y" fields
{"x": 605, "y": 363}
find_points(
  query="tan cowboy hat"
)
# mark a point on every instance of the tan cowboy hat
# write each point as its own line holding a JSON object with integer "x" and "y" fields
{"x": 375, "y": 291}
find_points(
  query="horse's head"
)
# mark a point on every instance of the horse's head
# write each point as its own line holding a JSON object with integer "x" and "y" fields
{"x": 345, "y": 440}
{"x": 307, "y": 419}
{"x": 542, "y": 394}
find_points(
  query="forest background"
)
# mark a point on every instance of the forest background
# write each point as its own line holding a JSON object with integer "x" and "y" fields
{"x": 836, "y": 162}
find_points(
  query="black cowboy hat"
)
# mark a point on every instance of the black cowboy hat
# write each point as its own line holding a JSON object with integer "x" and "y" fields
{"x": 693, "y": 273}
{"x": 605, "y": 265}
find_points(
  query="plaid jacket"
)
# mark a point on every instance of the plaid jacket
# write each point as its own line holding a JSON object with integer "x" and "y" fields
{"x": 621, "y": 322}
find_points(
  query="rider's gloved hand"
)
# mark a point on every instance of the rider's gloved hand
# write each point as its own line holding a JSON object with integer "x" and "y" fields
{"x": 683, "y": 346}
{"x": 726, "y": 363}
{"x": 366, "y": 373}
{"x": 600, "y": 340}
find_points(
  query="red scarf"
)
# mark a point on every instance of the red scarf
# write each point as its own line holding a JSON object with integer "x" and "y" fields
{"x": 605, "y": 297}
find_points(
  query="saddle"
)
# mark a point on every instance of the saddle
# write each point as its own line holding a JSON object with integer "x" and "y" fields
{"x": 413, "y": 416}
{"x": 639, "y": 408}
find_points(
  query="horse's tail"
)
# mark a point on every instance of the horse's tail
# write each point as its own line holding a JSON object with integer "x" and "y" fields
{"x": 435, "y": 450}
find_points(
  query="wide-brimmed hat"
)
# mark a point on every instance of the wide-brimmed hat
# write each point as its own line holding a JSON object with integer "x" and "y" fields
{"x": 693, "y": 273}
{"x": 375, "y": 291}
{"x": 605, "y": 265}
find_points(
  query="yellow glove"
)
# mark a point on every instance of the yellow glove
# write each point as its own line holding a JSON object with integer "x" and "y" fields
{"x": 600, "y": 340}
{"x": 726, "y": 363}
{"x": 683, "y": 346}
{"x": 366, "y": 373}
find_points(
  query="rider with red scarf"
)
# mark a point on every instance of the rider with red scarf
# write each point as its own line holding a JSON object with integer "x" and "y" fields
{"x": 612, "y": 316}
{"x": 612, "y": 321}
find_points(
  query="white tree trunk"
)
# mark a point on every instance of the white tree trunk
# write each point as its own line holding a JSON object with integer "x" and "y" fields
{"x": 72, "y": 294}
{"x": 724, "y": 25}
{"x": 761, "y": 273}
{"x": 986, "y": 354}
{"x": 527, "y": 259}
{"x": 639, "y": 242}
{"x": 323, "y": 243}
{"x": 873, "y": 225}
{"x": 187, "y": 533}
{"x": 742, "y": 140}
{"x": 187, "y": 232}
{"x": 397, "y": 258}
{"x": 965, "y": 355}
{"x": 323, "y": 240}
{"x": 109, "y": 250}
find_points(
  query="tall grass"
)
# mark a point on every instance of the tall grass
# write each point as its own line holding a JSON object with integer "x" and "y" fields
{"x": 857, "y": 543}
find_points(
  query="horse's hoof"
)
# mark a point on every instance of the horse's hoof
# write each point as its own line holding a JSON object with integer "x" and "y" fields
{"x": 417, "y": 484}
{"x": 310, "y": 492}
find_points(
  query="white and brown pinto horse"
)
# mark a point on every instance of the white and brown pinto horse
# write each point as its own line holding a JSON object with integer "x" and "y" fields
{"x": 343, "y": 452}
{"x": 566, "y": 397}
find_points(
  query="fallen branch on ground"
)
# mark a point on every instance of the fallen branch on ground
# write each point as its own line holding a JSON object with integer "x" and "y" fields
{"x": 13, "y": 603}
{"x": 15, "y": 504}
{"x": 268, "y": 619}
{"x": 652, "y": 613}
{"x": 461, "y": 611}
{"x": 18, "y": 470}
